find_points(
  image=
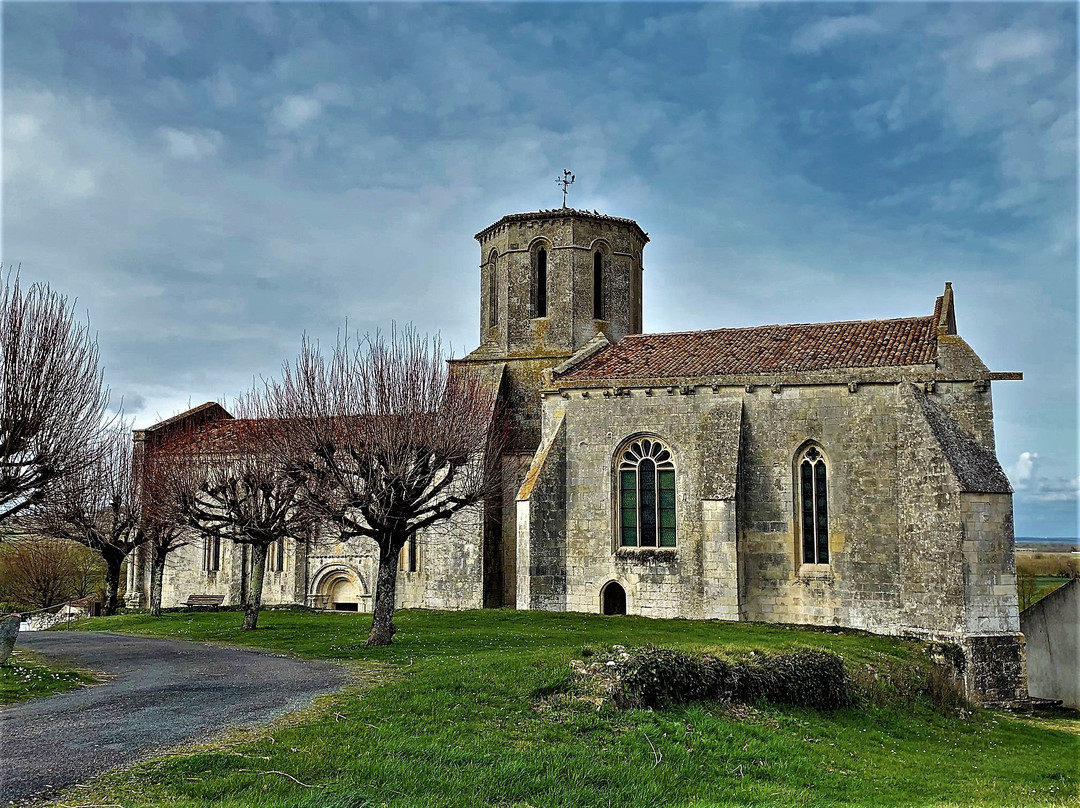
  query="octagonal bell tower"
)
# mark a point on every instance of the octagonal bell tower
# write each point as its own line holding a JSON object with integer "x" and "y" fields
{"x": 553, "y": 279}
{"x": 549, "y": 282}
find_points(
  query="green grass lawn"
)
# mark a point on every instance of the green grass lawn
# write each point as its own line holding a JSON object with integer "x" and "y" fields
{"x": 454, "y": 715}
{"x": 27, "y": 676}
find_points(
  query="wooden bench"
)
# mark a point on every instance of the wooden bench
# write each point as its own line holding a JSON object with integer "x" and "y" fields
{"x": 203, "y": 601}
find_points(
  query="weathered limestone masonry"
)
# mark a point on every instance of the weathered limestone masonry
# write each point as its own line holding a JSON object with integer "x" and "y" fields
{"x": 832, "y": 474}
{"x": 919, "y": 511}
{"x": 323, "y": 571}
{"x": 544, "y": 277}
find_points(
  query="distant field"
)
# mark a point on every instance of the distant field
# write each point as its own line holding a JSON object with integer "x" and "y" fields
{"x": 1049, "y": 545}
{"x": 1048, "y": 568}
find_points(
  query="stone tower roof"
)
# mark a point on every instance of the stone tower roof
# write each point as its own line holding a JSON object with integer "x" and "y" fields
{"x": 560, "y": 213}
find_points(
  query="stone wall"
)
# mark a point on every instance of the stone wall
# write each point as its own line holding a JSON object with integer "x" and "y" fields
{"x": 1052, "y": 629}
{"x": 541, "y": 528}
{"x": 693, "y": 581}
{"x": 995, "y": 670}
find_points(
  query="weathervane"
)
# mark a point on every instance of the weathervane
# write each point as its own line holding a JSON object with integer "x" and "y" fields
{"x": 565, "y": 181}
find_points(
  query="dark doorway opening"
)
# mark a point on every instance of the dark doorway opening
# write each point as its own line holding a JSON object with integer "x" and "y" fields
{"x": 346, "y": 607}
{"x": 612, "y": 599}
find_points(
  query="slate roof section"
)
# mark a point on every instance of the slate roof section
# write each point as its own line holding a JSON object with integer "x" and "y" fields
{"x": 977, "y": 468}
{"x": 765, "y": 349}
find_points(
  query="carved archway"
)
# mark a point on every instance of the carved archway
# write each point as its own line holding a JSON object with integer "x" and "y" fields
{"x": 341, "y": 589}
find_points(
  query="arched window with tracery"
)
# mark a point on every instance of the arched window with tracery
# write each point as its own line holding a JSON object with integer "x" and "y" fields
{"x": 598, "y": 286}
{"x": 541, "y": 282}
{"x": 813, "y": 505}
{"x": 646, "y": 495}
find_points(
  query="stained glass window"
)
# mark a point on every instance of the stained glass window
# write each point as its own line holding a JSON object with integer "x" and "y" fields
{"x": 647, "y": 495}
{"x": 814, "y": 507}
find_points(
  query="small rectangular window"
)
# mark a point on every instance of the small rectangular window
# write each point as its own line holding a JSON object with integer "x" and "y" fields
{"x": 212, "y": 554}
{"x": 275, "y": 556}
{"x": 409, "y": 560}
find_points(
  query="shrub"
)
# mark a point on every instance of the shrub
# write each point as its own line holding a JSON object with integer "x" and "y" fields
{"x": 660, "y": 677}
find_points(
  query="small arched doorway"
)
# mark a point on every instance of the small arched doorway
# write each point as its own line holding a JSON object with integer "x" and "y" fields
{"x": 612, "y": 599}
{"x": 339, "y": 590}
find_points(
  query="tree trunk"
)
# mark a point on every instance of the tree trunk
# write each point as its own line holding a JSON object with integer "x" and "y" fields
{"x": 114, "y": 560}
{"x": 382, "y": 619}
{"x": 157, "y": 575}
{"x": 254, "y": 593}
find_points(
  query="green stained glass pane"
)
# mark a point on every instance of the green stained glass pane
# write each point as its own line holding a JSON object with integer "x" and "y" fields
{"x": 629, "y": 536}
{"x": 667, "y": 517}
{"x": 647, "y": 505}
{"x": 667, "y": 536}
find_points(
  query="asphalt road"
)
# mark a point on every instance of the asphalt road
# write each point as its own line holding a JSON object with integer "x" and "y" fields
{"x": 159, "y": 693}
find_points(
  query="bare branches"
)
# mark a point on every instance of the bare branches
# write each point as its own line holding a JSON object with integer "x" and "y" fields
{"x": 225, "y": 482}
{"x": 394, "y": 439}
{"x": 52, "y": 400}
{"x": 98, "y": 504}
{"x": 387, "y": 441}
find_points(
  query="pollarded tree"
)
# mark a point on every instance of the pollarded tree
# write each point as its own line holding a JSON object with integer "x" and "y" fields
{"x": 98, "y": 505}
{"x": 389, "y": 440}
{"x": 162, "y": 485}
{"x": 229, "y": 485}
{"x": 52, "y": 401}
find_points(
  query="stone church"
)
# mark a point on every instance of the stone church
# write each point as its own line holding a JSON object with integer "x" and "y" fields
{"x": 831, "y": 474}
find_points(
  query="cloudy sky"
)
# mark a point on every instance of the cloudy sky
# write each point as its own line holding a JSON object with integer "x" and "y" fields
{"x": 211, "y": 181}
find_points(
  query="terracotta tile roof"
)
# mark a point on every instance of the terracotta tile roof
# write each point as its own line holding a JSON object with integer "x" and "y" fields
{"x": 765, "y": 349}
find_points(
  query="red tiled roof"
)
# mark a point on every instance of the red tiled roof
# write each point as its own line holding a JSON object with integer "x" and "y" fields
{"x": 765, "y": 349}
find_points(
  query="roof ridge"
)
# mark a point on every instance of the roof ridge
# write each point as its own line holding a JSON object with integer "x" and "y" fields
{"x": 774, "y": 325}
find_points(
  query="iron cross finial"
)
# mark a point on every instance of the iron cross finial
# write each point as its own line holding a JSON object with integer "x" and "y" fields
{"x": 565, "y": 181}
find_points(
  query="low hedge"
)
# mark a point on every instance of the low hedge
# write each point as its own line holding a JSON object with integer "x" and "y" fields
{"x": 806, "y": 677}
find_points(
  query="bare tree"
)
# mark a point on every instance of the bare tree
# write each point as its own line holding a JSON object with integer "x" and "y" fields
{"x": 52, "y": 401}
{"x": 165, "y": 480}
{"x": 41, "y": 571}
{"x": 389, "y": 442}
{"x": 229, "y": 485}
{"x": 98, "y": 506}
